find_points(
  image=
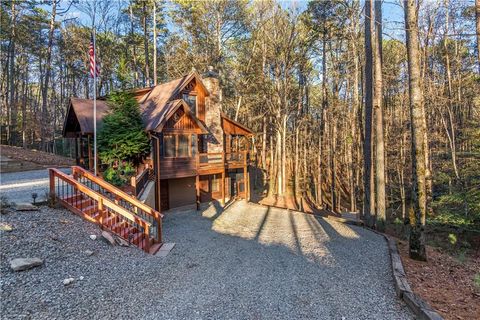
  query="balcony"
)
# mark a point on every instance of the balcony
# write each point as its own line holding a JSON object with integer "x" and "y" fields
{"x": 202, "y": 163}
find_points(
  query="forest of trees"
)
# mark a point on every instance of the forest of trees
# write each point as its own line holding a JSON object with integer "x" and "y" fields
{"x": 346, "y": 115}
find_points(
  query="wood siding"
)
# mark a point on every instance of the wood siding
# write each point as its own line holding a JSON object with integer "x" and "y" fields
{"x": 195, "y": 88}
{"x": 177, "y": 167}
{"x": 180, "y": 122}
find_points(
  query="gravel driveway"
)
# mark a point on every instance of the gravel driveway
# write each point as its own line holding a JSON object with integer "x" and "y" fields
{"x": 19, "y": 186}
{"x": 244, "y": 263}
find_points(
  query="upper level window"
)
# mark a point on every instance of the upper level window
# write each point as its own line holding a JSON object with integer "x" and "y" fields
{"x": 179, "y": 145}
{"x": 191, "y": 100}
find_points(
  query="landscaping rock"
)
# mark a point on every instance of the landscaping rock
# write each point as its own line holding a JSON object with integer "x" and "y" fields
{"x": 25, "y": 207}
{"x": 121, "y": 242}
{"x": 68, "y": 281}
{"x": 108, "y": 237}
{"x": 5, "y": 227}
{"x": 20, "y": 264}
{"x": 93, "y": 237}
{"x": 88, "y": 252}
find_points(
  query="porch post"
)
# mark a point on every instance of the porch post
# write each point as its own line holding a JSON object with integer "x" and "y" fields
{"x": 156, "y": 169}
{"x": 245, "y": 182}
{"x": 90, "y": 154}
{"x": 248, "y": 183}
{"x": 197, "y": 189}
{"x": 82, "y": 158}
{"x": 77, "y": 156}
{"x": 223, "y": 187}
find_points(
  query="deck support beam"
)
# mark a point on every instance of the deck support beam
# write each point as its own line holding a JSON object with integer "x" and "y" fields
{"x": 223, "y": 187}
{"x": 247, "y": 190}
{"x": 197, "y": 191}
{"x": 156, "y": 169}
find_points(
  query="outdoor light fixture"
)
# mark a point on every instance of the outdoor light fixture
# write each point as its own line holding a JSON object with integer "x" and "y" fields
{"x": 34, "y": 196}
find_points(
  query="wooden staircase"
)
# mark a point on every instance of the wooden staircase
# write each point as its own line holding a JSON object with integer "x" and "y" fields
{"x": 97, "y": 201}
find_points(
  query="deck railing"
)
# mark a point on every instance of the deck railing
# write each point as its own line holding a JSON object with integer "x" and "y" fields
{"x": 86, "y": 195}
{"x": 139, "y": 182}
{"x": 237, "y": 158}
{"x": 210, "y": 159}
{"x": 205, "y": 160}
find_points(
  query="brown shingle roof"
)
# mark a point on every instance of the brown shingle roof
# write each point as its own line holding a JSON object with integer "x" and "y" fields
{"x": 83, "y": 109}
{"x": 153, "y": 102}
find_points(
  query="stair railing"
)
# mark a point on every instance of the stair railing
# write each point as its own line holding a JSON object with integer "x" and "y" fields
{"x": 72, "y": 194}
{"x": 121, "y": 198}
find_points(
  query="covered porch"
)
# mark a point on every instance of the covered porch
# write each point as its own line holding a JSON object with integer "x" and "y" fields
{"x": 79, "y": 125}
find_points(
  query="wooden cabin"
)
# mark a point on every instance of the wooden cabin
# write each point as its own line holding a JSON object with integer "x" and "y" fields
{"x": 197, "y": 155}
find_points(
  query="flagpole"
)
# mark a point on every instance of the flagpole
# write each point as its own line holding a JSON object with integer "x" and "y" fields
{"x": 94, "y": 99}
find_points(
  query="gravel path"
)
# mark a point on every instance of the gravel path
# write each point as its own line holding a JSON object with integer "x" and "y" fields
{"x": 244, "y": 263}
{"x": 19, "y": 186}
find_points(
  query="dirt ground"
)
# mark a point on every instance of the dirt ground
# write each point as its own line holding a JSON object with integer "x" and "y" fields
{"x": 445, "y": 282}
{"x": 18, "y": 159}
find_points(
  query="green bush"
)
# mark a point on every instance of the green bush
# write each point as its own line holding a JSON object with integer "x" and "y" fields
{"x": 122, "y": 136}
{"x": 119, "y": 175}
{"x": 452, "y": 239}
{"x": 476, "y": 280}
{"x": 122, "y": 141}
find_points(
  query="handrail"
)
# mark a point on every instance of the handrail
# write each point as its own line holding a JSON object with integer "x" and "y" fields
{"x": 116, "y": 191}
{"x": 99, "y": 197}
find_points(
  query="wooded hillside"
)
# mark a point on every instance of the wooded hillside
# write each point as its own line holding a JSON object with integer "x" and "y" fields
{"x": 338, "y": 105}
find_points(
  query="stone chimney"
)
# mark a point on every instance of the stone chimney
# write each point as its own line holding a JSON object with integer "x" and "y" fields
{"x": 213, "y": 109}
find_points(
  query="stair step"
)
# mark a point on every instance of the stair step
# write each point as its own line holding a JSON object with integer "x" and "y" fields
{"x": 84, "y": 204}
{"x": 143, "y": 243}
{"x": 137, "y": 238}
{"x": 119, "y": 226}
{"x": 73, "y": 198}
{"x": 155, "y": 247}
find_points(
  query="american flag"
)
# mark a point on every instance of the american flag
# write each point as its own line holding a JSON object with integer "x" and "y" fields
{"x": 94, "y": 71}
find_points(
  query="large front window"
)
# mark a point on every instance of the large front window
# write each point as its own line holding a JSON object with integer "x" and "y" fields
{"x": 179, "y": 145}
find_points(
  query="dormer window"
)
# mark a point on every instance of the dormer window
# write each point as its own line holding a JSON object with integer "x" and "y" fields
{"x": 191, "y": 100}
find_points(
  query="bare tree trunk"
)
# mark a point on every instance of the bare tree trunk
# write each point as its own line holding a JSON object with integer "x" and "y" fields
{"x": 24, "y": 107}
{"x": 279, "y": 163}
{"x": 379, "y": 140}
{"x": 134, "y": 56}
{"x": 296, "y": 173}
{"x": 155, "y": 42}
{"x": 264, "y": 143}
{"x": 332, "y": 139}
{"x": 284, "y": 154}
{"x": 477, "y": 15}
{"x": 12, "y": 121}
{"x": 367, "y": 143}
{"x": 145, "y": 44}
{"x": 272, "y": 168}
{"x": 48, "y": 70}
{"x": 417, "y": 116}
{"x": 319, "y": 179}
{"x": 450, "y": 128}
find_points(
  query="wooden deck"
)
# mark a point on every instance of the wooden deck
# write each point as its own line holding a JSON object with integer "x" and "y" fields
{"x": 202, "y": 164}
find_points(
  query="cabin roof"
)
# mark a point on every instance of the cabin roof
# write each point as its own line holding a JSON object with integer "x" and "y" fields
{"x": 156, "y": 106}
{"x": 83, "y": 110}
{"x": 170, "y": 109}
{"x": 233, "y": 127}
{"x": 154, "y": 103}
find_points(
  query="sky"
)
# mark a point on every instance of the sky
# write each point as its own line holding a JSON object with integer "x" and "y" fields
{"x": 391, "y": 9}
